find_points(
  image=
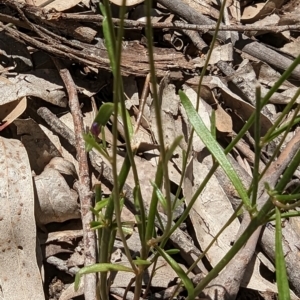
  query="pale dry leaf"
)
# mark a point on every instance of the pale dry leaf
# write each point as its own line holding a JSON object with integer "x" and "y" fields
{"x": 69, "y": 293}
{"x": 203, "y": 7}
{"x": 163, "y": 275}
{"x": 290, "y": 18}
{"x": 63, "y": 166}
{"x": 169, "y": 109}
{"x": 62, "y": 236}
{"x": 223, "y": 121}
{"x": 38, "y": 145}
{"x": 254, "y": 280}
{"x": 56, "y": 201}
{"x": 293, "y": 48}
{"x": 271, "y": 20}
{"x": 20, "y": 277}
{"x": 234, "y": 8}
{"x": 267, "y": 76}
{"x": 11, "y": 110}
{"x": 43, "y": 84}
{"x": 210, "y": 212}
{"x": 223, "y": 53}
{"x": 260, "y": 10}
{"x": 58, "y": 5}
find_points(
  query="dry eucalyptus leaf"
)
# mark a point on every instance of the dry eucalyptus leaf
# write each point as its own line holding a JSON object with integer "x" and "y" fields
{"x": 210, "y": 206}
{"x": 267, "y": 76}
{"x": 58, "y": 5}
{"x": 56, "y": 201}
{"x": 223, "y": 53}
{"x": 163, "y": 275}
{"x": 69, "y": 293}
{"x": 11, "y": 110}
{"x": 39, "y": 147}
{"x": 292, "y": 48}
{"x": 44, "y": 84}
{"x": 20, "y": 277}
{"x": 203, "y": 7}
{"x": 63, "y": 166}
{"x": 257, "y": 11}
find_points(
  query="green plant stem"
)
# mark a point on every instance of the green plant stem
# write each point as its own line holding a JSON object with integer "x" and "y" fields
{"x": 157, "y": 108}
{"x": 118, "y": 90}
{"x": 270, "y": 133}
{"x": 257, "y": 146}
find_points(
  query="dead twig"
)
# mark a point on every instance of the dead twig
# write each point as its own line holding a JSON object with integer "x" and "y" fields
{"x": 177, "y": 25}
{"x": 84, "y": 186}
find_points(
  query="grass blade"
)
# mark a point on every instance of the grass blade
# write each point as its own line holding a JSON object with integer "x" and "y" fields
{"x": 214, "y": 148}
{"x": 281, "y": 275}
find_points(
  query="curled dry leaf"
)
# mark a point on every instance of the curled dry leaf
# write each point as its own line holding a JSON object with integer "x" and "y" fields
{"x": 56, "y": 201}
{"x": 20, "y": 277}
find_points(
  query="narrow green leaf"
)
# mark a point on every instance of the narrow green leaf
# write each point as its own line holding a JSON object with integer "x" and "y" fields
{"x": 91, "y": 143}
{"x": 101, "y": 204}
{"x": 179, "y": 271}
{"x": 142, "y": 262}
{"x": 214, "y": 148}
{"x": 281, "y": 274}
{"x": 172, "y": 251}
{"x": 104, "y": 267}
{"x": 104, "y": 113}
{"x": 96, "y": 225}
{"x": 160, "y": 195}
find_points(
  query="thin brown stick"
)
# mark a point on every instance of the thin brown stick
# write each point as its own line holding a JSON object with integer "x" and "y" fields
{"x": 144, "y": 96}
{"x": 178, "y": 25}
{"x": 84, "y": 187}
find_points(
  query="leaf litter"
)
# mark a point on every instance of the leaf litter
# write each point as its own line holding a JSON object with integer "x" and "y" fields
{"x": 30, "y": 81}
